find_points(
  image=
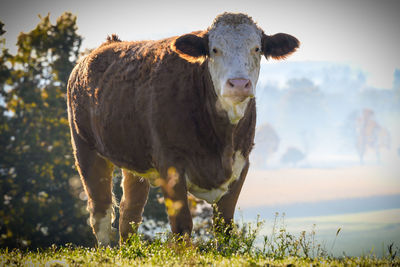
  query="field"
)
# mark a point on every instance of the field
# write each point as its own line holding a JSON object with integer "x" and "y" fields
{"x": 279, "y": 249}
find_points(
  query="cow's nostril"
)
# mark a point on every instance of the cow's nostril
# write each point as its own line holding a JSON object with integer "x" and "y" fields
{"x": 239, "y": 84}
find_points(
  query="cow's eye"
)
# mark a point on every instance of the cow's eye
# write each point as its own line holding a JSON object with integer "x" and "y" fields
{"x": 215, "y": 50}
{"x": 257, "y": 49}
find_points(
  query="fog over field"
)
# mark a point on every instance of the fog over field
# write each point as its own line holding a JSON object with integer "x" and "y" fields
{"x": 323, "y": 115}
{"x": 317, "y": 108}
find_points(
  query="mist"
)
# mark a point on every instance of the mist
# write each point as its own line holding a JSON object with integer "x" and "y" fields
{"x": 322, "y": 114}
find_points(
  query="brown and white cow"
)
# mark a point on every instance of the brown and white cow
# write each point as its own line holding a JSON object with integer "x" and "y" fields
{"x": 178, "y": 113}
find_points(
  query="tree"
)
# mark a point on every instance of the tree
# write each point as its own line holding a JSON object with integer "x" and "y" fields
{"x": 39, "y": 206}
{"x": 266, "y": 144}
{"x": 43, "y": 199}
{"x": 303, "y": 105}
{"x": 292, "y": 156}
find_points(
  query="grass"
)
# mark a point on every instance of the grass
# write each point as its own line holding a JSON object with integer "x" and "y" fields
{"x": 216, "y": 249}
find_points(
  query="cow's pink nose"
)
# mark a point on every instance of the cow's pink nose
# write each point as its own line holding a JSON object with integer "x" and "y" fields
{"x": 238, "y": 89}
{"x": 240, "y": 84}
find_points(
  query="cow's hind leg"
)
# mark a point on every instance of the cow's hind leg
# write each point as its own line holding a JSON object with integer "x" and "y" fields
{"x": 135, "y": 192}
{"x": 96, "y": 175}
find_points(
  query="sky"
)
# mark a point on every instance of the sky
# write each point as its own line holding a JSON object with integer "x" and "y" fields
{"x": 362, "y": 33}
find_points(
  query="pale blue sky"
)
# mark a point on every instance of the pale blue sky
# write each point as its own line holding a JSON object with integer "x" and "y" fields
{"x": 363, "y": 33}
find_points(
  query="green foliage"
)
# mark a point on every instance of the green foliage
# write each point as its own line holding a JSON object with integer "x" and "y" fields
{"x": 235, "y": 239}
{"x": 281, "y": 244}
{"x": 39, "y": 207}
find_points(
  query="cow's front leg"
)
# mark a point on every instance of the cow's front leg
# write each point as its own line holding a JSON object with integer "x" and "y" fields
{"x": 134, "y": 197}
{"x": 224, "y": 209}
{"x": 176, "y": 203}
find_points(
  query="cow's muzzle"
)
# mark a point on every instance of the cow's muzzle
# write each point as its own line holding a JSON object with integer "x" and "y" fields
{"x": 238, "y": 89}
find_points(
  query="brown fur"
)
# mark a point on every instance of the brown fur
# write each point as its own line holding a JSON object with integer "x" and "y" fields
{"x": 279, "y": 46}
{"x": 113, "y": 38}
{"x": 123, "y": 79}
{"x": 151, "y": 105}
{"x": 192, "y": 47}
{"x": 140, "y": 106}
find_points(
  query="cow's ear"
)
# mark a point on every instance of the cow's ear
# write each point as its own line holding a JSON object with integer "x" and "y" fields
{"x": 192, "y": 47}
{"x": 279, "y": 46}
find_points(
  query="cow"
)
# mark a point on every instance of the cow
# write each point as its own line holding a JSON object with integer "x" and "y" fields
{"x": 178, "y": 113}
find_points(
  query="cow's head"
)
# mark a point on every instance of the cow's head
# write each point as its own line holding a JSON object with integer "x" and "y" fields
{"x": 233, "y": 47}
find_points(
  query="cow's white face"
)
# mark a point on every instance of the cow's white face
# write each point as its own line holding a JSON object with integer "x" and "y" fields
{"x": 232, "y": 48}
{"x": 234, "y": 65}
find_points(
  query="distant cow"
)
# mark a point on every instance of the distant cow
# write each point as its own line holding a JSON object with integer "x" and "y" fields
{"x": 177, "y": 113}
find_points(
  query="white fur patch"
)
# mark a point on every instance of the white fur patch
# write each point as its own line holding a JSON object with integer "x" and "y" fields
{"x": 215, "y": 194}
{"x": 104, "y": 233}
{"x": 233, "y": 55}
{"x": 235, "y": 111}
